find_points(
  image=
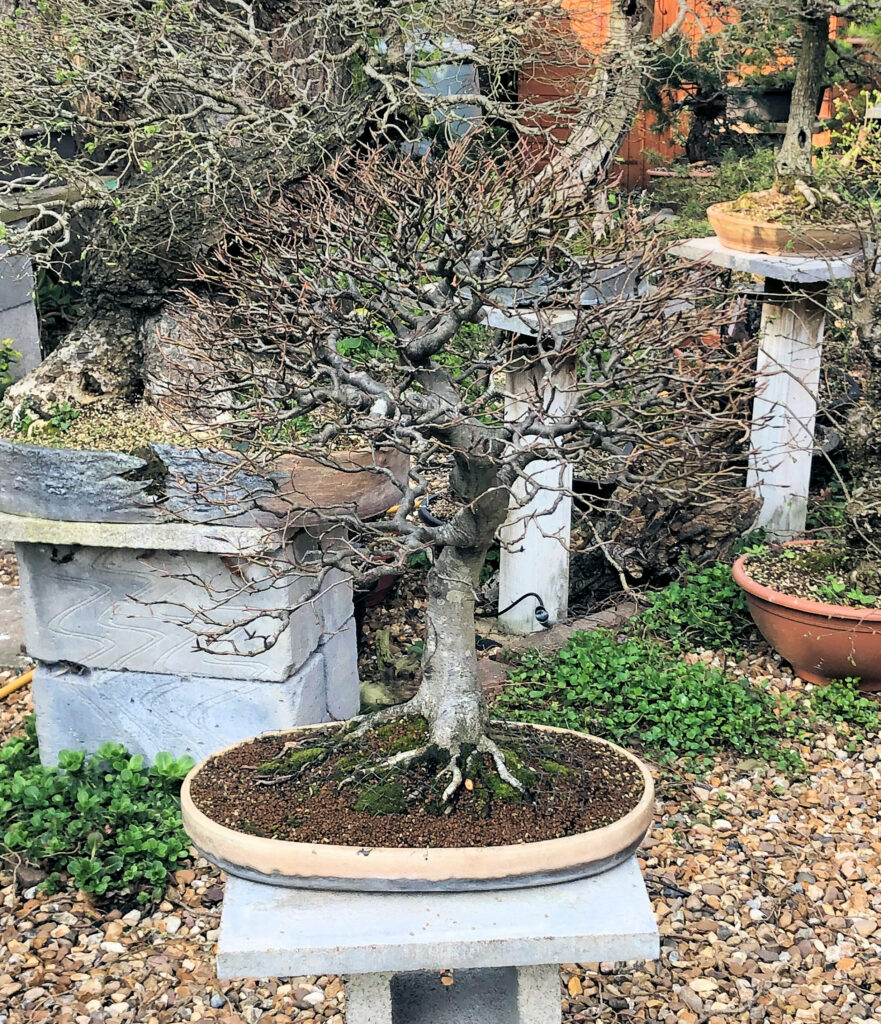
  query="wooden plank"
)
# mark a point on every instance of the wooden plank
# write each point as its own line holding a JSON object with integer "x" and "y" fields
{"x": 535, "y": 539}
{"x": 785, "y": 409}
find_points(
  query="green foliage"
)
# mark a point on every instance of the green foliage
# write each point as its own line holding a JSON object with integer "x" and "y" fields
{"x": 705, "y": 608}
{"x": 691, "y": 196}
{"x": 8, "y": 356}
{"x": 631, "y": 691}
{"x": 841, "y": 701}
{"x": 835, "y": 591}
{"x": 106, "y": 821}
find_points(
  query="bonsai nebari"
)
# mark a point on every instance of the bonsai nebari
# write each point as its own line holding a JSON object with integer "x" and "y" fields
{"x": 351, "y": 311}
{"x": 137, "y": 131}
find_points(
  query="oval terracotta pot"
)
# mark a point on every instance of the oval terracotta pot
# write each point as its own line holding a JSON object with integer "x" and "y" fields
{"x": 741, "y": 232}
{"x": 387, "y": 869}
{"x": 821, "y": 641}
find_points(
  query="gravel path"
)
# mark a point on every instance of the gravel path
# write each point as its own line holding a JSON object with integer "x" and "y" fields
{"x": 768, "y": 895}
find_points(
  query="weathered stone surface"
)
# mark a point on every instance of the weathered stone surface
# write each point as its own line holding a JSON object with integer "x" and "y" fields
{"x": 11, "y": 629}
{"x": 20, "y": 324}
{"x": 270, "y": 931}
{"x": 52, "y": 483}
{"x": 146, "y": 611}
{"x": 189, "y": 485}
{"x": 340, "y": 650}
{"x": 487, "y": 995}
{"x": 148, "y": 713}
{"x": 209, "y": 537}
{"x": 16, "y": 280}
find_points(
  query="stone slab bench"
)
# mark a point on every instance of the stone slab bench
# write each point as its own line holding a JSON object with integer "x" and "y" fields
{"x": 504, "y": 945}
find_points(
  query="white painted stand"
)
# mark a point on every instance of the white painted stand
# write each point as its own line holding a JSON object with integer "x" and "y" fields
{"x": 534, "y": 542}
{"x": 787, "y": 374}
{"x": 504, "y": 945}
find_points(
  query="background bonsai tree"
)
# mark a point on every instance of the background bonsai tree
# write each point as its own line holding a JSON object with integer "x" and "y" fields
{"x": 349, "y": 312}
{"x": 138, "y": 131}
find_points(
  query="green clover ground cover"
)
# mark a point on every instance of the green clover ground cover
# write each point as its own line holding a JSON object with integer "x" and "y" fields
{"x": 635, "y": 687}
{"x": 106, "y": 822}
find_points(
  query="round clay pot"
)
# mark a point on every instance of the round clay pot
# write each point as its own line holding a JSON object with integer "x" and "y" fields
{"x": 741, "y": 232}
{"x": 821, "y": 641}
{"x": 387, "y": 869}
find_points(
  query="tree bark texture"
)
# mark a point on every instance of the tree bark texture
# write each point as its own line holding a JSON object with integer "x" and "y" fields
{"x": 795, "y": 157}
{"x": 450, "y": 696}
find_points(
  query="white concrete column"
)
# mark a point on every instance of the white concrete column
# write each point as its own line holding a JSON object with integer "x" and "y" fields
{"x": 535, "y": 539}
{"x": 785, "y": 409}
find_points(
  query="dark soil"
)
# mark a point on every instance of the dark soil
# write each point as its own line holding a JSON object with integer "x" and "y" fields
{"x": 825, "y": 571}
{"x": 573, "y": 784}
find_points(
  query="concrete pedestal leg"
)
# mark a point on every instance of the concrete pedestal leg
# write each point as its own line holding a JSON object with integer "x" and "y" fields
{"x": 535, "y": 540}
{"x": 483, "y": 995}
{"x": 785, "y": 407}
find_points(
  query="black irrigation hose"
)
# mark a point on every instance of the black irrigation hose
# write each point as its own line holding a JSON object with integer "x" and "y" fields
{"x": 541, "y": 613}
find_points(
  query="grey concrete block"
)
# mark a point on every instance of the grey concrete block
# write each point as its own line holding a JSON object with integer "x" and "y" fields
{"x": 484, "y": 995}
{"x": 11, "y": 629}
{"x": 149, "y": 611}
{"x": 21, "y": 325}
{"x": 268, "y": 931}
{"x": 148, "y": 713}
{"x": 343, "y": 684}
{"x": 16, "y": 280}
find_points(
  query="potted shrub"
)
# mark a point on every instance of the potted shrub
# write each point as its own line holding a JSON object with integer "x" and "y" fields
{"x": 440, "y": 794}
{"x": 818, "y": 606}
{"x": 802, "y": 215}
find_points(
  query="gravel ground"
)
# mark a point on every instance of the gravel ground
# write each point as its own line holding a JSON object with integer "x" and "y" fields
{"x": 766, "y": 891}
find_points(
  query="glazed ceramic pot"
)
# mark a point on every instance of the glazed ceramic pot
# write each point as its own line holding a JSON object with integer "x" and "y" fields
{"x": 821, "y": 641}
{"x": 450, "y": 869}
{"x": 742, "y": 232}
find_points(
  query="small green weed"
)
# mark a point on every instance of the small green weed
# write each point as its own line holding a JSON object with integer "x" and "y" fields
{"x": 632, "y": 691}
{"x": 706, "y": 608}
{"x": 841, "y": 701}
{"x": 106, "y": 821}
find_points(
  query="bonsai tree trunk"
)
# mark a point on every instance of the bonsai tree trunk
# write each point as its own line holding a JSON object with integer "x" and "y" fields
{"x": 450, "y": 696}
{"x": 864, "y": 428}
{"x": 794, "y": 161}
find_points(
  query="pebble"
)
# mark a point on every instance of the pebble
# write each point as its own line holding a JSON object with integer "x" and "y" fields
{"x": 780, "y": 921}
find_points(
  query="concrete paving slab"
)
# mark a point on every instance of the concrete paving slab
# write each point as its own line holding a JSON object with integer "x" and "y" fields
{"x": 268, "y": 931}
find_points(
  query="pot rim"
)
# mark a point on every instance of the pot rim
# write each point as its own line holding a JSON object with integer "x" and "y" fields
{"x": 407, "y": 862}
{"x": 840, "y": 228}
{"x": 801, "y": 604}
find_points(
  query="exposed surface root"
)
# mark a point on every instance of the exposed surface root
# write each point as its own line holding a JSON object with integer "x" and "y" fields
{"x": 488, "y": 746}
{"x": 455, "y": 772}
{"x": 365, "y": 723}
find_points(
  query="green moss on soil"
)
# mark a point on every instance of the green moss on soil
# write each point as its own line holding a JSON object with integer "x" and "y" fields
{"x": 382, "y": 798}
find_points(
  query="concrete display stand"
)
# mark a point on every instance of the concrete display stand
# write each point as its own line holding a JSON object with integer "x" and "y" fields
{"x": 112, "y": 612}
{"x": 787, "y": 373}
{"x": 504, "y": 945}
{"x": 18, "y": 313}
{"x": 534, "y": 555}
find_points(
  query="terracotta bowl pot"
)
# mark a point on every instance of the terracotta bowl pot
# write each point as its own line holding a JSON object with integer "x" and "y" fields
{"x": 821, "y": 641}
{"x": 387, "y": 869}
{"x": 741, "y": 232}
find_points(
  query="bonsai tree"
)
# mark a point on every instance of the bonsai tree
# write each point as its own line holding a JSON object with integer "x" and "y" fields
{"x": 350, "y": 310}
{"x": 137, "y": 132}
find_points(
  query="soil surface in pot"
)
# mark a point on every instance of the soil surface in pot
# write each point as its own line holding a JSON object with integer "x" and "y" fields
{"x": 327, "y": 790}
{"x": 773, "y": 207}
{"x": 825, "y": 572}
{"x": 105, "y": 426}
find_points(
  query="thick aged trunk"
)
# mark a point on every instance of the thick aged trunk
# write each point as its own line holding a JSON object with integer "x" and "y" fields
{"x": 864, "y": 428}
{"x": 794, "y": 161}
{"x": 101, "y": 357}
{"x": 450, "y": 696}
